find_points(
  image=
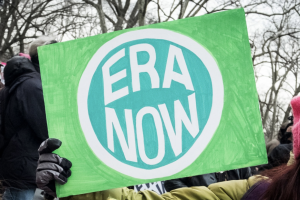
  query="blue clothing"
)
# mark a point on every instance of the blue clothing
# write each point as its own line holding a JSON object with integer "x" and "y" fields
{"x": 17, "y": 194}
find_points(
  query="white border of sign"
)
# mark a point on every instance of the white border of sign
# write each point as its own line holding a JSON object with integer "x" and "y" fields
{"x": 211, "y": 126}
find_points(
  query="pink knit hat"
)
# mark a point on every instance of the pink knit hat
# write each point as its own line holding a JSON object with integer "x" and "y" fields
{"x": 25, "y": 55}
{"x": 295, "y": 103}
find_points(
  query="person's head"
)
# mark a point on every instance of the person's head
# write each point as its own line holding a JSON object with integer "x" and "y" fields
{"x": 287, "y": 137}
{"x": 33, "y": 53}
{"x": 285, "y": 180}
{"x": 280, "y": 155}
{"x": 286, "y": 127}
{"x": 15, "y": 67}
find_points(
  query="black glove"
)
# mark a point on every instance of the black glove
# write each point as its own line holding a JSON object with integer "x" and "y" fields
{"x": 51, "y": 167}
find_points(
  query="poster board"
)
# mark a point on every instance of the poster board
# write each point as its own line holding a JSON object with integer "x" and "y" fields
{"x": 153, "y": 103}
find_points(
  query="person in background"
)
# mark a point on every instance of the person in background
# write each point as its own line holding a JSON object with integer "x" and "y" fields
{"x": 281, "y": 153}
{"x": 23, "y": 124}
{"x": 33, "y": 53}
{"x": 283, "y": 137}
{"x": 279, "y": 156}
{"x": 3, "y": 64}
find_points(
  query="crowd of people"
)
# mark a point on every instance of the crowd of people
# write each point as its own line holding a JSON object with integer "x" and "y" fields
{"x": 27, "y": 161}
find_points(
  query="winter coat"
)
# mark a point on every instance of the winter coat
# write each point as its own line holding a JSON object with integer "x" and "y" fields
{"x": 24, "y": 123}
{"x": 207, "y": 179}
{"x": 227, "y": 190}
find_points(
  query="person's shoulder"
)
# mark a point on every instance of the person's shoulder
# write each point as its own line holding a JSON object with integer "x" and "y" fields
{"x": 200, "y": 192}
{"x": 32, "y": 81}
{"x": 30, "y": 85}
{"x": 234, "y": 189}
{"x": 288, "y": 146}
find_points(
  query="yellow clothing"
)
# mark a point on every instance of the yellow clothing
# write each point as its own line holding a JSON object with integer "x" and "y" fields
{"x": 292, "y": 159}
{"x": 227, "y": 190}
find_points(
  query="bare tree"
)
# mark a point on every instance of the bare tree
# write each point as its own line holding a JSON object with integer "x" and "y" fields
{"x": 23, "y": 20}
{"x": 275, "y": 55}
{"x": 275, "y": 43}
{"x": 120, "y": 14}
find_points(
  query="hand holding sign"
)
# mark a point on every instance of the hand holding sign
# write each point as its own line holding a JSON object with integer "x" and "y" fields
{"x": 51, "y": 167}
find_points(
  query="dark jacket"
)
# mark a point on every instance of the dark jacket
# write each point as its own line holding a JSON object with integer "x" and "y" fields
{"x": 24, "y": 122}
{"x": 207, "y": 179}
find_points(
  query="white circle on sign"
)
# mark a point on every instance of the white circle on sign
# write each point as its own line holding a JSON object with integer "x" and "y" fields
{"x": 201, "y": 142}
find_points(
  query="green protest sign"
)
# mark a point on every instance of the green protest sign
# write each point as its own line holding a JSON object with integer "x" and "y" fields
{"x": 153, "y": 103}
